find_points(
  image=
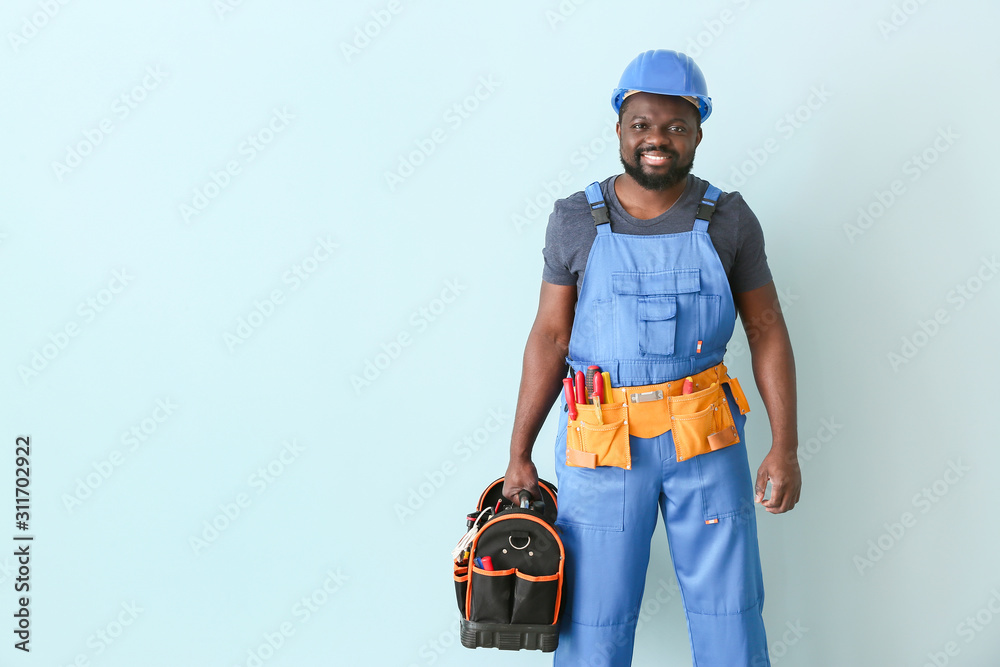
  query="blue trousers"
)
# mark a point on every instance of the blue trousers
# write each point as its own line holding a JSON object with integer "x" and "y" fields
{"x": 606, "y": 518}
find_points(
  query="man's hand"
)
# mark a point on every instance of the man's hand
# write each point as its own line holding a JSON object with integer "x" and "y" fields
{"x": 520, "y": 475}
{"x": 786, "y": 482}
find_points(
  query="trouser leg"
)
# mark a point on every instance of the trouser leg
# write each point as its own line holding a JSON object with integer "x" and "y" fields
{"x": 708, "y": 509}
{"x": 606, "y": 519}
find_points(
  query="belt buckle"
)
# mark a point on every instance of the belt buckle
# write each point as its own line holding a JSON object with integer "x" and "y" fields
{"x": 645, "y": 396}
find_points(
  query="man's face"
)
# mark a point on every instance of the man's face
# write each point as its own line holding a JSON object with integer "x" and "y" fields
{"x": 658, "y": 135}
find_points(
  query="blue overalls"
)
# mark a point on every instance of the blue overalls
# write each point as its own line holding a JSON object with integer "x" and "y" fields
{"x": 655, "y": 309}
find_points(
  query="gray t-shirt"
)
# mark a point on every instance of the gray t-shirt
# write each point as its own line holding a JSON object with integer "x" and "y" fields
{"x": 734, "y": 230}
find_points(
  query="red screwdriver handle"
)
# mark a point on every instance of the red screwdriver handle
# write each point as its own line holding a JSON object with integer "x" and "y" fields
{"x": 581, "y": 387}
{"x": 570, "y": 400}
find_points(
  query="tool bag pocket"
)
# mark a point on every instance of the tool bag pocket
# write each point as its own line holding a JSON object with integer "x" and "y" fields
{"x": 701, "y": 422}
{"x": 490, "y": 600}
{"x": 461, "y": 584}
{"x": 590, "y": 444}
{"x": 535, "y": 599}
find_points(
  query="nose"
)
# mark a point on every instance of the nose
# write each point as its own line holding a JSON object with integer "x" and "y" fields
{"x": 654, "y": 136}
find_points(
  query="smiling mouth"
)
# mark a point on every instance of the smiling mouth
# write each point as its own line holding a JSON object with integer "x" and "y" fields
{"x": 655, "y": 159}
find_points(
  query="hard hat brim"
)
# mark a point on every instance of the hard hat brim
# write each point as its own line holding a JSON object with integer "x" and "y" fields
{"x": 704, "y": 102}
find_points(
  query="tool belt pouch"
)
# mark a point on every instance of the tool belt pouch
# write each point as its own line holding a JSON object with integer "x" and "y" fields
{"x": 702, "y": 421}
{"x": 590, "y": 443}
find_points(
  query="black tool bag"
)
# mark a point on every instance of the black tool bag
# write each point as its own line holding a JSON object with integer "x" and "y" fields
{"x": 516, "y": 604}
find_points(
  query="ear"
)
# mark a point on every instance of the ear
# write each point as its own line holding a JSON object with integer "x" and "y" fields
{"x": 700, "y": 135}
{"x": 618, "y": 131}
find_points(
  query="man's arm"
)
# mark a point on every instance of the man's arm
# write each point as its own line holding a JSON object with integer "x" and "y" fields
{"x": 774, "y": 372}
{"x": 542, "y": 372}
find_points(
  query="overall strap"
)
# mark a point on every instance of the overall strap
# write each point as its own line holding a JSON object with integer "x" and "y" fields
{"x": 598, "y": 208}
{"x": 707, "y": 207}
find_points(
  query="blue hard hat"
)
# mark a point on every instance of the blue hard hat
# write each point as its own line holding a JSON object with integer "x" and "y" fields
{"x": 664, "y": 73}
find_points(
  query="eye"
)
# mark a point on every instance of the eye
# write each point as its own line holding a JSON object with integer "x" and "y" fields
{"x": 638, "y": 126}
{"x": 678, "y": 128}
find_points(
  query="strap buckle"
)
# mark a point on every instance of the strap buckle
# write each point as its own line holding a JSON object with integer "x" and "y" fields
{"x": 598, "y": 209}
{"x": 705, "y": 210}
{"x": 600, "y": 213}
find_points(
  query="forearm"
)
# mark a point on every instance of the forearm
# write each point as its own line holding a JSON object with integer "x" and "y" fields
{"x": 774, "y": 373}
{"x": 542, "y": 371}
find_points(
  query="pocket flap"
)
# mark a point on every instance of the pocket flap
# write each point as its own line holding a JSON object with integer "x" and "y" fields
{"x": 723, "y": 438}
{"x": 575, "y": 457}
{"x": 657, "y": 308}
{"x": 680, "y": 281}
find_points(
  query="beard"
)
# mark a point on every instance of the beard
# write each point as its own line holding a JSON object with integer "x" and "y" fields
{"x": 674, "y": 175}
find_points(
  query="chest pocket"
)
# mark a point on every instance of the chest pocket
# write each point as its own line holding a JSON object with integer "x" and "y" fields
{"x": 657, "y": 324}
{"x": 657, "y": 313}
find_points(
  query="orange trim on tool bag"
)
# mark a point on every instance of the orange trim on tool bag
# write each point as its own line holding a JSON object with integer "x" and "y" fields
{"x": 472, "y": 558}
{"x": 559, "y": 589}
{"x": 528, "y": 577}
{"x": 552, "y": 493}
{"x": 494, "y": 573}
{"x": 482, "y": 497}
{"x": 541, "y": 484}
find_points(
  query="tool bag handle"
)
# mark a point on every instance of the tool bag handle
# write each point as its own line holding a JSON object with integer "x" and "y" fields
{"x": 524, "y": 499}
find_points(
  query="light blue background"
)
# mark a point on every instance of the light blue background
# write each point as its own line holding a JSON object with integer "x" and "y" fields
{"x": 852, "y": 295}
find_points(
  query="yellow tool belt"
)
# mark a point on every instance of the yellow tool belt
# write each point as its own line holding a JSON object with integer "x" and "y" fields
{"x": 701, "y": 421}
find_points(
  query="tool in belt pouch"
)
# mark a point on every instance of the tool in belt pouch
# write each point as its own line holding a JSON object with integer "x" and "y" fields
{"x": 702, "y": 421}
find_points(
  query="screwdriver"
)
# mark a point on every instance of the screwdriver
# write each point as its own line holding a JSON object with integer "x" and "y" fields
{"x": 581, "y": 387}
{"x": 570, "y": 399}
{"x": 598, "y": 396}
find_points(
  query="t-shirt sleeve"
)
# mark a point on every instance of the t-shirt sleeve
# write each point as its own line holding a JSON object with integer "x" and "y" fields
{"x": 750, "y": 269}
{"x": 557, "y": 262}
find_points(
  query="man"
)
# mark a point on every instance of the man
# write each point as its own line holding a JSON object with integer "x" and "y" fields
{"x": 632, "y": 286}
